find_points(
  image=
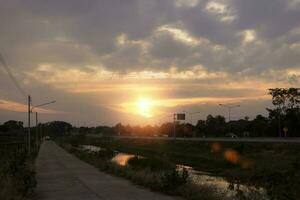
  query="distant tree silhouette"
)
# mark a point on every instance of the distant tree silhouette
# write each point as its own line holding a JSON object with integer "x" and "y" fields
{"x": 286, "y": 103}
{"x": 286, "y": 113}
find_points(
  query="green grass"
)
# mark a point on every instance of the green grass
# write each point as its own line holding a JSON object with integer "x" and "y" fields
{"x": 274, "y": 166}
{"x": 153, "y": 164}
{"x": 17, "y": 175}
{"x": 154, "y": 173}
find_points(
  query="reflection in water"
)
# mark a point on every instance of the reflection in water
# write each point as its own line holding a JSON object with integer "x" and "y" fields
{"x": 203, "y": 178}
{"x": 91, "y": 148}
{"x": 195, "y": 176}
{"x": 122, "y": 158}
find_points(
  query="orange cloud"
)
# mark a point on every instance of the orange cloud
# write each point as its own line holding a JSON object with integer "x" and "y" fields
{"x": 19, "y": 107}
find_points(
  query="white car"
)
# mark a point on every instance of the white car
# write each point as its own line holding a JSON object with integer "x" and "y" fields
{"x": 232, "y": 135}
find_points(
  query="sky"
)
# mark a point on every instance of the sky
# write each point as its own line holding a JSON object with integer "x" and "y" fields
{"x": 139, "y": 61}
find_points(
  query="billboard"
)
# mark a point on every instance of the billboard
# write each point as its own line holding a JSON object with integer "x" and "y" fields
{"x": 180, "y": 116}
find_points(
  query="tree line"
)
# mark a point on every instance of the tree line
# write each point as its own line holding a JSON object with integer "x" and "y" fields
{"x": 283, "y": 121}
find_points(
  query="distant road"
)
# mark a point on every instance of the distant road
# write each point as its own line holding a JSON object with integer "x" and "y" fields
{"x": 216, "y": 139}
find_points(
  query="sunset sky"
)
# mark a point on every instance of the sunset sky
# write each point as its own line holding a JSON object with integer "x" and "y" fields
{"x": 139, "y": 61}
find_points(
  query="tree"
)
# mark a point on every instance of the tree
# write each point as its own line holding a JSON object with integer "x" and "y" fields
{"x": 285, "y": 98}
{"x": 57, "y": 128}
{"x": 13, "y": 125}
{"x": 286, "y": 112}
{"x": 201, "y": 128}
{"x": 167, "y": 129}
{"x": 215, "y": 126}
{"x": 259, "y": 126}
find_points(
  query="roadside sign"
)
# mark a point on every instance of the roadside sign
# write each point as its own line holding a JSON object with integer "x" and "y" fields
{"x": 180, "y": 116}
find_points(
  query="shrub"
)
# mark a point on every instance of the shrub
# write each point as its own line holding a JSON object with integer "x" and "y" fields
{"x": 17, "y": 176}
{"x": 152, "y": 164}
{"x": 77, "y": 140}
{"x": 172, "y": 180}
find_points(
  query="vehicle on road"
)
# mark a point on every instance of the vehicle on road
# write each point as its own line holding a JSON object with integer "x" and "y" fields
{"x": 231, "y": 135}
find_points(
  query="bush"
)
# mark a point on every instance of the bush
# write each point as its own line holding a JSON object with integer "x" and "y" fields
{"x": 105, "y": 154}
{"x": 173, "y": 179}
{"x": 77, "y": 140}
{"x": 152, "y": 164}
{"x": 17, "y": 176}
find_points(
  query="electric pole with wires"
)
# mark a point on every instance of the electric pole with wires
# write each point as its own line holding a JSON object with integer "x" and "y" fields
{"x": 17, "y": 85}
{"x": 29, "y": 112}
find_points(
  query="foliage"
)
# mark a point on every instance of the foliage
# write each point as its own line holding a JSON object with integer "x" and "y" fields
{"x": 173, "y": 179}
{"x": 153, "y": 164}
{"x": 57, "y": 128}
{"x": 17, "y": 176}
{"x": 76, "y": 140}
{"x": 12, "y": 127}
{"x": 257, "y": 163}
{"x": 168, "y": 181}
{"x": 286, "y": 114}
{"x": 285, "y": 98}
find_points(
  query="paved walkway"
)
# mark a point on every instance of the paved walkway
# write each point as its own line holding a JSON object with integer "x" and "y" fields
{"x": 62, "y": 176}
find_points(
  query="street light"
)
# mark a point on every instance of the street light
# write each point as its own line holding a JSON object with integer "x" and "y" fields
{"x": 36, "y": 117}
{"x": 229, "y": 112}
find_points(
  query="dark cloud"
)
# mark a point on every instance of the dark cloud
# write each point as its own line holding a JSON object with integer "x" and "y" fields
{"x": 255, "y": 38}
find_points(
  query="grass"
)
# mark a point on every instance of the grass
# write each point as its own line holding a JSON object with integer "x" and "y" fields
{"x": 17, "y": 175}
{"x": 151, "y": 168}
{"x": 154, "y": 173}
{"x": 274, "y": 166}
{"x": 152, "y": 164}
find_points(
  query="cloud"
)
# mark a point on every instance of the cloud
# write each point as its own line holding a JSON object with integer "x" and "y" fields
{"x": 222, "y": 10}
{"x": 19, "y": 107}
{"x": 95, "y": 52}
{"x": 186, "y": 3}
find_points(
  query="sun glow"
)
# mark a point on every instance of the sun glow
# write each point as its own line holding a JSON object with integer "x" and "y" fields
{"x": 144, "y": 107}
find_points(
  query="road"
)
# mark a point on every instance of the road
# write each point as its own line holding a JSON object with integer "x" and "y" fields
{"x": 216, "y": 139}
{"x": 61, "y": 176}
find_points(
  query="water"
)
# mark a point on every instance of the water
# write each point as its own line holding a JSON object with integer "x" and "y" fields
{"x": 221, "y": 184}
{"x": 122, "y": 158}
{"x": 195, "y": 176}
{"x": 91, "y": 148}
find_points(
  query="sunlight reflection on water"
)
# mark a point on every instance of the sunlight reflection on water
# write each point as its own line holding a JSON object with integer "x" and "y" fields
{"x": 122, "y": 158}
{"x": 195, "y": 176}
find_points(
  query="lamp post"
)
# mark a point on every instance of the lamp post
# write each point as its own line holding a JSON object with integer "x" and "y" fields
{"x": 29, "y": 110}
{"x": 36, "y": 117}
{"x": 229, "y": 107}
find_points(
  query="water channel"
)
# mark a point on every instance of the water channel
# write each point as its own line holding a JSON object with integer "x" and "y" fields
{"x": 195, "y": 176}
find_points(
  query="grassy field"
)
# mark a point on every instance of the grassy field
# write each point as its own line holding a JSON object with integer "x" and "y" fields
{"x": 274, "y": 166}
{"x": 154, "y": 173}
{"x": 17, "y": 175}
{"x": 17, "y": 170}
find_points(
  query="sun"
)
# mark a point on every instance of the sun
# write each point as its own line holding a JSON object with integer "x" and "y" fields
{"x": 144, "y": 107}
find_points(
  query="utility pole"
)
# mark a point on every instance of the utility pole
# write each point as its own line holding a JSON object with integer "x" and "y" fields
{"x": 229, "y": 112}
{"x": 36, "y": 129}
{"x": 174, "y": 125}
{"x": 279, "y": 124}
{"x": 29, "y": 112}
{"x": 36, "y": 117}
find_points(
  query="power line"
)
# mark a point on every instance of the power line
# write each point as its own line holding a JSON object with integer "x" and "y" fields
{"x": 11, "y": 76}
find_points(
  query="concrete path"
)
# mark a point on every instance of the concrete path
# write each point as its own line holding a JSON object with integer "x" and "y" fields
{"x": 61, "y": 176}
